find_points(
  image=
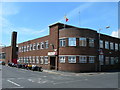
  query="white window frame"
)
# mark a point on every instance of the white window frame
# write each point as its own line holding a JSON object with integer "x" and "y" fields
{"x": 62, "y": 42}
{"x": 46, "y": 44}
{"x": 71, "y": 60}
{"x": 62, "y": 59}
{"x": 45, "y": 59}
{"x": 71, "y": 41}
{"x": 83, "y": 41}
{"x": 82, "y": 59}
{"x": 37, "y": 59}
{"x": 42, "y": 45}
{"x": 41, "y": 60}
{"x": 31, "y": 47}
{"x": 91, "y": 59}
{"x": 34, "y": 46}
{"x": 33, "y": 59}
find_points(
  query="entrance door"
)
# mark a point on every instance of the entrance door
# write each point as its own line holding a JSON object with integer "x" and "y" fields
{"x": 52, "y": 62}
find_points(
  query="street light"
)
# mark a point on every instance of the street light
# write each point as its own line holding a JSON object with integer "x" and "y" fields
{"x": 100, "y": 50}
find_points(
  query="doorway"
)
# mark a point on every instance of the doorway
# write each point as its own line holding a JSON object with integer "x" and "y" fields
{"x": 52, "y": 63}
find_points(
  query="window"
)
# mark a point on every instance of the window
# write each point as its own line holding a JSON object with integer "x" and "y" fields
{"x": 30, "y": 47}
{"x": 107, "y": 60}
{"x": 33, "y": 59}
{"x": 91, "y": 42}
{"x": 24, "y": 48}
{"x": 72, "y": 41}
{"x": 101, "y": 59}
{"x": 101, "y": 43}
{"x": 42, "y": 45}
{"x": 30, "y": 59}
{"x": 112, "y": 60}
{"x": 46, "y": 59}
{"x": 106, "y": 45}
{"x": 62, "y": 42}
{"x": 27, "y": 60}
{"x": 62, "y": 59}
{"x": 72, "y": 59}
{"x": 116, "y": 46}
{"x": 46, "y": 44}
{"x": 38, "y": 46}
{"x": 111, "y": 46}
{"x": 19, "y": 49}
{"x": 91, "y": 59}
{"x": 82, "y": 59}
{"x": 41, "y": 59}
{"x": 34, "y": 46}
{"x": 116, "y": 60}
{"x": 82, "y": 41}
{"x": 37, "y": 59}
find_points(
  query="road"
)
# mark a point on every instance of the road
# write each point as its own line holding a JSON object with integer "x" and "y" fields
{"x": 20, "y": 78}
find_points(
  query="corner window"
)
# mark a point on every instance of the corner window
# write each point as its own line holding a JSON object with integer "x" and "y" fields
{"x": 82, "y": 41}
{"x": 91, "y": 42}
{"x": 106, "y": 45}
{"x": 72, "y": 41}
{"x": 101, "y": 43}
{"x": 82, "y": 59}
{"x": 91, "y": 59}
{"x": 62, "y": 59}
{"x": 72, "y": 59}
{"x": 62, "y": 42}
{"x": 46, "y": 60}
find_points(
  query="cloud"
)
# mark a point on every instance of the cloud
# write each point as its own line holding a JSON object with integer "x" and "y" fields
{"x": 116, "y": 33}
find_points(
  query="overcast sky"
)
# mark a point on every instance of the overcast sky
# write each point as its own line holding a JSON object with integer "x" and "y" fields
{"x": 31, "y": 19}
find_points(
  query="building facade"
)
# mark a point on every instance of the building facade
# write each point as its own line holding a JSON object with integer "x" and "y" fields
{"x": 69, "y": 48}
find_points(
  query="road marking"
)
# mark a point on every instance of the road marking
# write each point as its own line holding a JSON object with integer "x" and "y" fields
{"x": 13, "y": 83}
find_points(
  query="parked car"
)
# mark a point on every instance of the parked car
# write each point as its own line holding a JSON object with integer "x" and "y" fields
{"x": 29, "y": 67}
{"x": 36, "y": 68}
{"x": 19, "y": 65}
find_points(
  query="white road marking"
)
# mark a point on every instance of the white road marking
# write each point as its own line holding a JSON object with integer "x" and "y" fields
{"x": 13, "y": 83}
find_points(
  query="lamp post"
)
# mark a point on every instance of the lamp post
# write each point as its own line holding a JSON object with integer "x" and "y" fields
{"x": 100, "y": 50}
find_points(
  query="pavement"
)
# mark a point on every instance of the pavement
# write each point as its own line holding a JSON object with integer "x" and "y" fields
{"x": 21, "y": 78}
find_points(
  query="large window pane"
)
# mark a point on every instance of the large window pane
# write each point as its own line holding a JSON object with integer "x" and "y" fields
{"x": 82, "y": 41}
{"x": 72, "y": 41}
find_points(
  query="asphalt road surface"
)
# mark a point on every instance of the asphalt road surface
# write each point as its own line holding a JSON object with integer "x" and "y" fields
{"x": 20, "y": 78}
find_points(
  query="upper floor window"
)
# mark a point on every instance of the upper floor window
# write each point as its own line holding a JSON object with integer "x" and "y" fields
{"x": 38, "y": 46}
{"x": 116, "y": 46}
{"x": 82, "y": 41}
{"x": 101, "y": 43}
{"x": 106, "y": 45}
{"x": 72, "y": 59}
{"x": 46, "y": 44}
{"x": 42, "y": 45}
{"x": 46, "y": 59}
{"x": 91, "y": 42}
{"x": 62, "y": 59}
{"x": 72, "y": 41}
{"x": 24, "y": 48}
{"x": 82, "y": 59}
{"x": 30, "y": 47}
{"x": 19, "y": 49}
{"x": 91, "y": 59}
{"x": 62, "y": 42}
{"x": 111, "y": 46}
{"x": 34, "y": 46}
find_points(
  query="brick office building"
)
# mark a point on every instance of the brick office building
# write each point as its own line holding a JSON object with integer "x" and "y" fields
{"x": 71, "y": 48}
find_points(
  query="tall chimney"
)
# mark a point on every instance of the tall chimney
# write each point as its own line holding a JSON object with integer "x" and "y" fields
{"x": 14, "y": 48}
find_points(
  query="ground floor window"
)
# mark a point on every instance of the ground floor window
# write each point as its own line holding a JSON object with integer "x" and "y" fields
{"x": 30, "y": 59}
{"x": 41, "y": 60}
{"x": 37, "y": 59}
{"x": 72, "y": 59}
{"x": 112, "y": 60}
{"x": 91, "y": 59}
{"x": 107, "y": 60}
{"x": 82, "y": 59}
{"x": 101, "y": 59}
{"x": 33, "y": 59}
{"x": 46, "y": 60}
{"x": 62, "y": 59}
{"x": 116, "y": 60}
